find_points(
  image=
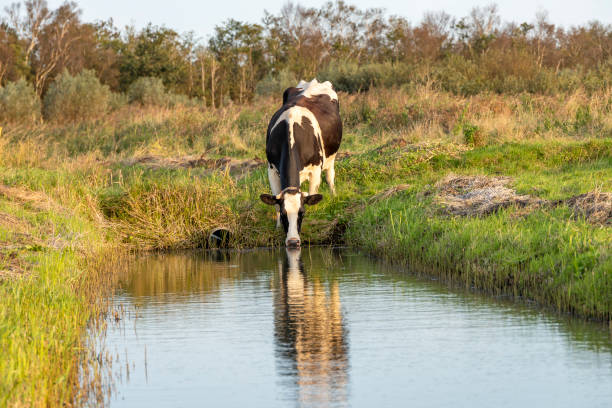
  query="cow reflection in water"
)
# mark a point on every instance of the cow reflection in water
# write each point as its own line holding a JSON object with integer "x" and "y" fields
{"x": 310, "y": 336}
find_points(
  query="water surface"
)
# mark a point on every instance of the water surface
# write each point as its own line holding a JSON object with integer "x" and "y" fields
{"x": 332, "y": 328}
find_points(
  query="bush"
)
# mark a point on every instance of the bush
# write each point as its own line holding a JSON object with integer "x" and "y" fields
{"x": 148, "y": 91}
{"x": 460, "y": 76}
{"x": 117, "y": 101}
{"x": 352, "y": 77}
{"x": 79, "y": 97}
{"x": 174, "y": 100}
{"x": 19, "y": 103}
{"x": 276, "y": 84}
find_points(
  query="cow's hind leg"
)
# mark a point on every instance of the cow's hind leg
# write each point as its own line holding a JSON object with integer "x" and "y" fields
{"x": 330, "y": 175}
{"x": 275, "y": 186}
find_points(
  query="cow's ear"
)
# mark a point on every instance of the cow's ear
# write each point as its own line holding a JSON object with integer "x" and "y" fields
{"x": 269, "y": 199}
{"x": 289, "y": 92}
{"x": 313, "y": 199}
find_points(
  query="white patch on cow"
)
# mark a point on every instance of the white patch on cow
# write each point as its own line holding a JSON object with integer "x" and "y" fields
{"x": 293, "y": 202}
{"x": 288, "y": 117}
{"x": 315, "y": 87}
{"x": 307, "y": 171}
{"x": 295, "y": 115}
{"x": 284, "y": 117}
{"x": 329, "y": 162}
{"x": 312, "y": 173}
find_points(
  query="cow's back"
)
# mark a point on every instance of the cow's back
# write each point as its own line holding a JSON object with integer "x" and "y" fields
{"x": 326, "y": 112}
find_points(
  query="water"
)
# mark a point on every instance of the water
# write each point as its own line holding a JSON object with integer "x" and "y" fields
{"x": 328, "y": 328}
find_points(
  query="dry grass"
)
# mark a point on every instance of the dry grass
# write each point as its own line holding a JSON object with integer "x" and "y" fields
{"x": 372, "y": 118}
{"x": 21, "y": 236}
{"x": 385, "y": 194}
{"x": 173, "y": 217}
{"x": 595, "y": 206}
{"x": 234, "y": 166}
{"x": 479, "y": 195}
{"x": 36, "y": 199}
{"x": 483, "y": 195}
{"x": 11, "y": 264}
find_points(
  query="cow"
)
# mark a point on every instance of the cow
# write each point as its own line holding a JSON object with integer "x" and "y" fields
{"x": 302, "y": 140}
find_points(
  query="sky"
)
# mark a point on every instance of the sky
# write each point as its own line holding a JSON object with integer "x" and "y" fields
{"x": 201, "y": 16}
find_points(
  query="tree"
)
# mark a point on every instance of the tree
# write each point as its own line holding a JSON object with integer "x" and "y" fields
{"x": 9, "y": 55}
{"x": 155, "y": 52}
{"x": 56, "y": 41}
{"x": 239, "y": 49}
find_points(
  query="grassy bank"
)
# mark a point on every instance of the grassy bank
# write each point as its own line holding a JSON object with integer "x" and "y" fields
{"x": 47, "y": 297}
{"x": 548, "y": 252}
{"x": 151, "y": 178}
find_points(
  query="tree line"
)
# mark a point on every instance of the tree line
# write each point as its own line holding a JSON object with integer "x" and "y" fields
{"x": 38, "y": 44}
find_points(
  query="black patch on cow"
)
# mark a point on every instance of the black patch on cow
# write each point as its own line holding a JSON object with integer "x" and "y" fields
{"x": 289, "y": 93}
{"x": 276, "y": 142}
{"x": 306, "y": 143}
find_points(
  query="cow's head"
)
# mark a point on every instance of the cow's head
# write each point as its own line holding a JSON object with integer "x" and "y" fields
{"x": 291, "y": 203}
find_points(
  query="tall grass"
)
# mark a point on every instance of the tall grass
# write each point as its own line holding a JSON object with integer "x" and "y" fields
{"x": 413, "y": 114}
{"x": 54, "y": 288}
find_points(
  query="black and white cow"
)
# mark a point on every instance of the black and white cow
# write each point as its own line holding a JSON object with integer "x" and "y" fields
{"x": 302, "y": 141}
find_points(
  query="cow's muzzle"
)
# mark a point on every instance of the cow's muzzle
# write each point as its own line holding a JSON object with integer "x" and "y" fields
{"x": 293, "y": 243}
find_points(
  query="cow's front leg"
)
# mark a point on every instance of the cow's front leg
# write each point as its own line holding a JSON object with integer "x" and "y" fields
{"x": 314, "y": 181}
{"x": 275, "y": 186}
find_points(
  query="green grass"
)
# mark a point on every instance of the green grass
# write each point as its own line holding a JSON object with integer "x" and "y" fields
{"x": 44, "y": 307}
{"x": 544, "y": 256}
{"x": 42, "y": 320}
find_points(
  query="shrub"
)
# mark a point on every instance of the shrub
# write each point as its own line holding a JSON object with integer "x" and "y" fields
{"x": 174, "y": 100}
{"x": 460, "y": 76}
{"x": 147, "y": 91}
{"x": 117, "y": 101}
{"x": 19, "y": 103}
{"x": 79, "y": 97}
{"x": 352, "y": 77}
{"x": 276, "y": 84}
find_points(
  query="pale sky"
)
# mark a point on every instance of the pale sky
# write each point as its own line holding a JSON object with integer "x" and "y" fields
{"x": 202, "y": 16}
